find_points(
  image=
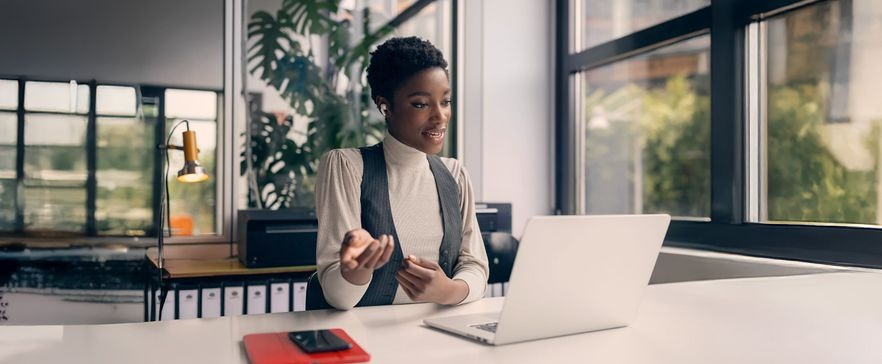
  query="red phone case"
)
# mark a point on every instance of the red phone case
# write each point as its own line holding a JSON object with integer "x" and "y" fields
{"x": 277, "y": 348}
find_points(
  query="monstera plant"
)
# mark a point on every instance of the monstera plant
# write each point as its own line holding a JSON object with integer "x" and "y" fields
{"x": 329, "y": 92}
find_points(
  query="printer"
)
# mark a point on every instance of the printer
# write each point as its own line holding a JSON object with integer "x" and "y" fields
{"x": 276, "y": 238}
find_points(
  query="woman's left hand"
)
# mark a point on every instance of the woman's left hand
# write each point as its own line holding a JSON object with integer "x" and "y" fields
{"x": 424, "y": 281}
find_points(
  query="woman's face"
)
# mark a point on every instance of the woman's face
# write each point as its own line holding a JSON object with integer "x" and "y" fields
{"x": 422, "y": 110}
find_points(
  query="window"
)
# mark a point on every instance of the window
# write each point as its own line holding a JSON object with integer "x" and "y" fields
{"x": 55, "y": 170}
{"x": 8, "y": 152}
{"x": 193, "y": 205}
{"x": 58, "y": 192}
{"x": 78, "y": 159}
{"x": 823, "y": 118}
{"x": 599, "y": 21}
{"x": 124, "y": 164}
{"x": 647, "y": 133}
{"x": 8, "y": 95}
{"x": 782, "y": 161}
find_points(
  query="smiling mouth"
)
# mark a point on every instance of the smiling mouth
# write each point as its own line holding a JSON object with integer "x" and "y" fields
{"x": 435, "y": 134}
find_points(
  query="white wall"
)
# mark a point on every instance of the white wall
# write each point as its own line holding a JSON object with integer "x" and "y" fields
{"x": 508, "y": 122}
{"x": 66, "y": 307}
{"x": 159, "y": 42}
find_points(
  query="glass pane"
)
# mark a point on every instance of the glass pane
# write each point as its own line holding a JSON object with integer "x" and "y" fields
{"x": 604, "y": 20}
{"x": 55, "y": 151}
{"x": 8, "y": 142}
{"x": 647, "y": 133}
{"x": 7, "y": 161}
{"x": 8, "y": 95}
{"x": 431, "y": 23}
{"x": 125, "y": 176}
{"x": 8, "y": 128}
{"x": 7, "y": 202}
{"x": 824, "y": 118}
{"x": 43, "y": 129}
{"x": 8, "y": 153}
{"x": 115, "y": 100}
{"x": 193, "y": 205}
{"x": 56, "y": 97}
{"x": 48, "y": 209}
{"x": 190, "y": 104}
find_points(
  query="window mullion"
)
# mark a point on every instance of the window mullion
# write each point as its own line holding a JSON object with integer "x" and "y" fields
{"x": 19, "y": 160}
{"x": 727, "y": 111}
{"x": 565, "y": 165}
{"x": 91, "y": 162}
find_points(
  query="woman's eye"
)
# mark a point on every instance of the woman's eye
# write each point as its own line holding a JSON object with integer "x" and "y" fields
{"x": 420, "y": 105}
{"x": 446, "y": 102}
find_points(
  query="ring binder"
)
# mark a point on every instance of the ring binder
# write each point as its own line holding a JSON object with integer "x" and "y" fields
{"x": 207, "y": 300}
{"x": 280, "y": 297}
{"x": 210, "y": 305}
{"x": 234, "y": 300}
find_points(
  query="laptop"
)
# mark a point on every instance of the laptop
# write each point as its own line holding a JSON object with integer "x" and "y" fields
{"x": 572, "y": 274}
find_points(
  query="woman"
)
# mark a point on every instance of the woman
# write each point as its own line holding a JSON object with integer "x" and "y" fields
{"x": 397, "y": 223}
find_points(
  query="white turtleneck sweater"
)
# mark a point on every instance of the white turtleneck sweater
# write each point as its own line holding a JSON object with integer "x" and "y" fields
{"x": 416, "y": 213}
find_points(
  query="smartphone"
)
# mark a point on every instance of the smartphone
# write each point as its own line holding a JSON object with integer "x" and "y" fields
{"x": 318, "y": 341}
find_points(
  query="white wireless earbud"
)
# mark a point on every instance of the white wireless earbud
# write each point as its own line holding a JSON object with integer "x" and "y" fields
{"x": 383, "y": 110}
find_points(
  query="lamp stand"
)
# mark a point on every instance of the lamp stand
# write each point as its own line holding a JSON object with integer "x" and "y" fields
{"x": 160, "y": 237}
{"x": 163, "y": 207}
{"x": 192, "y": 172}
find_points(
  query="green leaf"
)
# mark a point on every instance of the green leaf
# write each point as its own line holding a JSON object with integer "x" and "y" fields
{"x": 310, "y": 16}
{"x": 271, "y": 40}
{"x": 279, "y": 53}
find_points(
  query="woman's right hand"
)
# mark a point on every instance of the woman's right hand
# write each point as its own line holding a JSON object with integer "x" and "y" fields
{"x": 360, "y": 254}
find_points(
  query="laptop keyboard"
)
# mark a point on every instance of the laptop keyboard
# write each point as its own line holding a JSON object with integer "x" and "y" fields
{"x": 490, "y": 326}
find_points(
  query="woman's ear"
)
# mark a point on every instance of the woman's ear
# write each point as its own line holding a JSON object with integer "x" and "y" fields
{"x": 382, "y": 105}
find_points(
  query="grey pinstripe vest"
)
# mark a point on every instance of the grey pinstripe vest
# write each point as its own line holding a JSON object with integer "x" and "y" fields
{"x": 376, "y": 218}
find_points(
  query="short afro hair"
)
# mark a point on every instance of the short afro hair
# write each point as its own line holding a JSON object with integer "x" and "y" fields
{"x": 396, "y": 60}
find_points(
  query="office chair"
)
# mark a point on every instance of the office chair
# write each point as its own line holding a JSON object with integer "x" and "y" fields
{"x": 315, "y": 297}
{"x": 501, "y": 251}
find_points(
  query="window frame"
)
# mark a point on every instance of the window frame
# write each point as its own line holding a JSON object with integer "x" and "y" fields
{"x": 728, "y": 230}
{"x": 90, "y": 232}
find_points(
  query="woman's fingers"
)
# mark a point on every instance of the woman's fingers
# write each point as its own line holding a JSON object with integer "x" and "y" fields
{"x": 349, "y": 257}
{"x": 388, "y": 249}
{"x": 360, "y": 251}
{"x": 407, "y": 285}
{"x": 425, "y": 263}
{"x": 372, "y": 250}
{"x": 412, "y": 278}
{"x": 406, "y": 290}
{"x": 371, "y": 263}
{"x": 418, "y": 270}
{"x": 354, "y": 244}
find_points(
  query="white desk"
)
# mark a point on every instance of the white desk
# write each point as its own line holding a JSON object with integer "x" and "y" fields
{"x": 823, "y": 318}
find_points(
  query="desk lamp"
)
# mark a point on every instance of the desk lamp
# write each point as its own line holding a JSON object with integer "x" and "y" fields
{"x": 191, "y": 172}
